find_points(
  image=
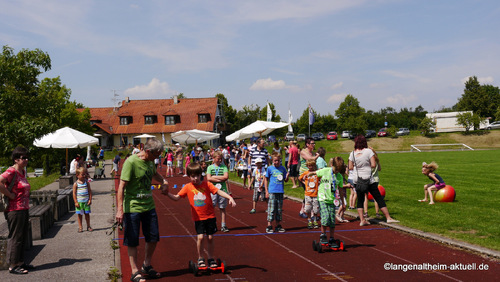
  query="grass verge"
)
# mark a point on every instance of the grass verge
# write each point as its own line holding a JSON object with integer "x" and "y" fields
{"x": 473, "y": 217}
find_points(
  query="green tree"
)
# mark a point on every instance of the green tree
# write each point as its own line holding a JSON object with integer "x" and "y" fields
{"x": 19, "y": 97}
{"x": 468, "y": 120}
{"x": 228, "y": 112}
{"x": 29, "y": 108}
{"x": 350, "y": 115}
{"x": 426, "y": 125}
{"x": 246, "y": 116}
{"x": 274, "y": 116}
{"x": 483, "y": 100}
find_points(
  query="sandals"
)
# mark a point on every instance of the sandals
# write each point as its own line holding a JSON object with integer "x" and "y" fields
{"x": 150, "y": 272}
{"x": 212, "y": 263}
{"x": 18, "y": 270}
{"x": 80, "y": 230}
{"x": 89, "y": 229}
{"x": 201, "y": 262}
{"x": 137, "y": 277}
{"x": 422, "y": 200}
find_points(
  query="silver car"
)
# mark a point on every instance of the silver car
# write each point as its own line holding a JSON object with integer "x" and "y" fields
{"x": 494, "y": 125}
{"x": 403, "y": 131}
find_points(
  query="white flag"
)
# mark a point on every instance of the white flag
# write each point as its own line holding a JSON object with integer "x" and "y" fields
{"x": 269, "y": 113}
{"x": 290, "y": 118}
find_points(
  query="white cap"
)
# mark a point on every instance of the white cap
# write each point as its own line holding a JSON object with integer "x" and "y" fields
{"x": 199, "y": 149}
{"x": 177, "y": 144}
{"x": 258, "y": 160}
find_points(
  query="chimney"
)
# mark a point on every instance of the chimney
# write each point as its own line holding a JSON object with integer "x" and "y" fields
{"x": 176, "y": 100}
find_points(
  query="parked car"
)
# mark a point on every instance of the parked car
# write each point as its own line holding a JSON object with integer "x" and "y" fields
{"x": 383, "y": 132}
{"x": 403, "y": 131}
{"x": 346, "y": 133}
{"x": 301, "y": 137}
{"x": 494, "y": 125}
{"x": 331, "y": 135}
{"x": 271, "y": 138}
{"x": 370, "y": 133}
{"x": 289, "y": 136}
{"x": 321, "y": 136}
{"x": 316, "y": 136}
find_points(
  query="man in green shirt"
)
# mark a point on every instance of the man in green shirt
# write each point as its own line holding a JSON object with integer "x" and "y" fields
{"x": 135, "y": 206}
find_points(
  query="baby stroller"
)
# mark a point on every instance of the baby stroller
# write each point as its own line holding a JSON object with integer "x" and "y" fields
{"x": 99, "y": 170}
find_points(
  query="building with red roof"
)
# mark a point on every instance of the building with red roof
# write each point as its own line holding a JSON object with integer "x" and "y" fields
{"x": 117, "y": 126}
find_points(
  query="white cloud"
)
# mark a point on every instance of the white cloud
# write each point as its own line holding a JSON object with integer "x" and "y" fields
{"x": 481, "y": 80}
{"x": 377, "y": 85}
{"x": 399, "y": 99}
{"x": 404, "y": 75}
{"x": 264, "y": 10}
{"x": 336, "y": 85}
{"x": 336, "y": 98}
{"x": 268, "y": 84}
{"x": 155, "y": 89}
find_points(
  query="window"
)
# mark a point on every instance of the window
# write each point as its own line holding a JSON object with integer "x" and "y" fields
{"x": 203, "y": 118}
{"x": 170, "y": 120}
{"x": 125, "y": 120}
{"x": 150, "y": 119}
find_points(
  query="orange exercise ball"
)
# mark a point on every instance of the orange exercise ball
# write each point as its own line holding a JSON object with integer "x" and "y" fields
{"x": 446, "y": 194}
{"x": 382, "y": 193}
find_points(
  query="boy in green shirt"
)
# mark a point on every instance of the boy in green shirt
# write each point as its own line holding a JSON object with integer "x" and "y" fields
{"x": 329, "y": 197}
{"x": 217, "y": 174}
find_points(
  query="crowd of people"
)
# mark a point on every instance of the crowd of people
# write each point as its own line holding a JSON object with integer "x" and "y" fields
{"x": 325, "y": 186}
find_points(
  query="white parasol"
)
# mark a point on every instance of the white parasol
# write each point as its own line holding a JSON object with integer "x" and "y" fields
{"x": 144, "y": 136}
{"x": 65, "y": 138}
{"x": 193, "y": 136}
{"x": 257, "y": 128}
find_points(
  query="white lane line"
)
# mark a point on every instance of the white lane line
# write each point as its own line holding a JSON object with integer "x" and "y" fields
{"x": 291, "y": 251}
{"x": 398, "y": 257}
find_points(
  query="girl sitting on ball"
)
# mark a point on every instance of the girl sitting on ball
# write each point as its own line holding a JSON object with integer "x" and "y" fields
{"x": 438, "y": 182}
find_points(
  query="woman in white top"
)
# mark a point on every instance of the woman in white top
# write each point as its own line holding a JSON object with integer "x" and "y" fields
{"x": 362, "y": 160}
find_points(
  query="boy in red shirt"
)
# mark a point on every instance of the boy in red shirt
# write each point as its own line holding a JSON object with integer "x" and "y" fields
{"x": 202, "y": 210}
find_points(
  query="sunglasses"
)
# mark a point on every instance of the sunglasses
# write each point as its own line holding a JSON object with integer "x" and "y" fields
{"x": 24, "y": 158}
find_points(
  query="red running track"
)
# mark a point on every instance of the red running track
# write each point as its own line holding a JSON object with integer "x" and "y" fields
{"x": 253, "y": 255}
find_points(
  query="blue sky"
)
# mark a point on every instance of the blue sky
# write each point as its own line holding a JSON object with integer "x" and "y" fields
{"x": 397, "y": 53}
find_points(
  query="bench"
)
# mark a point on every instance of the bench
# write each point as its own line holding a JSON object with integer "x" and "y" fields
{"x": 69, "y": 192}
{"x": 41, "y": 218}
{"x": 4, "y": 234}
{"x": 60, "y": 206}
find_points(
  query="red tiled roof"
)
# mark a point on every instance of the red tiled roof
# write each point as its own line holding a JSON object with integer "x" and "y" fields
{"x": 187, "y": 109}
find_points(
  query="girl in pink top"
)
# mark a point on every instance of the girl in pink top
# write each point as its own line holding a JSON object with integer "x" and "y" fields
{"x": 170, "y": 163}
{"x": 187, "y": 162}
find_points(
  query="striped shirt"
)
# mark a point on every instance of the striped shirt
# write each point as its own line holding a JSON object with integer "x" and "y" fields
{"x": 256, "y": 153}
{"x": 82, "y": 192}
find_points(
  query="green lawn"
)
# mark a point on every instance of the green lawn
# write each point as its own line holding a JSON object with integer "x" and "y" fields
{"x": 473, "y": 217}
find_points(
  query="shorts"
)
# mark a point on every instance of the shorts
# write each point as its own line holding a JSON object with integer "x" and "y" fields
{"x": 115, "y": 167}
{"x": 84, "y": 208}
{"x": 179, "y": 163}
{"x": 327, "y": 214}
{"x": 294, "y": 171}
{"x": 219, "y": 201}
{"x": 132, "y": 223}
{"x": 169, "y": 163}
{"x": 257, "y": 194}
{"x": 438, "y": 186}
{"x": 207, "y": 226}
{"x": 275, "y": 207}
{"x": 311, "y": 204}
